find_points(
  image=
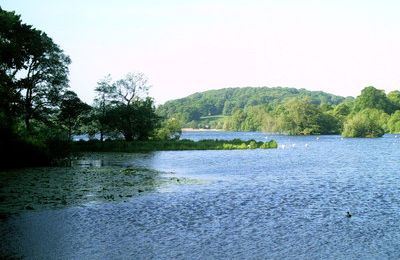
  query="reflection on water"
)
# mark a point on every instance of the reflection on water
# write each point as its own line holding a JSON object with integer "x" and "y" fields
{"x": 261, "y": 204}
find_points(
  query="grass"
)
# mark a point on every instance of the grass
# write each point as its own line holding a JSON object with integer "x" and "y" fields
{"x": 170, "y": 145}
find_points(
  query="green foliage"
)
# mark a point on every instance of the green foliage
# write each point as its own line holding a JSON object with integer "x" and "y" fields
{"x": 33, "y": 81}
{"x": 72, "y": 111}
{"x": 123, "y": 107}
{"x": 227, "y": 101}
{"x": 135, "y": 121}
{"x": 169, "y": 145}
{"x": 236, "y": 121}
{"x": 170, "y": 130}
{"x": 394, "y": 98}
{"x": 300, "y": 117}
{"x": 366, "y": 123}
{"x": 34, "y": 70}
{"x": 394, "y": 123}
{"x": 285, "y": 110}
{"x": 295, "y": 117}
{"x": 373, "y": 98}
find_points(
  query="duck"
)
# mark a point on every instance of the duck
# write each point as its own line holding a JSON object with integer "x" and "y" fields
{"x": 348, "y": 214}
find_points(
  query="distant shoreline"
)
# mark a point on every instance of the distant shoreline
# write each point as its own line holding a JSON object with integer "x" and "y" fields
{"x": 199, "y": 130}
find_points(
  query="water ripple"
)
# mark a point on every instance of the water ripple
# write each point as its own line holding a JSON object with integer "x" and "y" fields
{"x": 259, "y": 204}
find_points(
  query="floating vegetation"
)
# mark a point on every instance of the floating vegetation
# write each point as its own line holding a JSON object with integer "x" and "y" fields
{"x": 59, "y": 187}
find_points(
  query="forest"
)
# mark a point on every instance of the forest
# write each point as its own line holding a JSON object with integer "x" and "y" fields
{"x": 290, "y": 111}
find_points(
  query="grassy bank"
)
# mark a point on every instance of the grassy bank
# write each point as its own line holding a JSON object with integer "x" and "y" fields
{"x": 171, "y": 145}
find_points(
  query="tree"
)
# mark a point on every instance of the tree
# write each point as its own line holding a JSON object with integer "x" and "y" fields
{"x": 235, "y": 122}
{"x": 366, "y": 123}
{"x": 13, "y": 55}
{"x": 34, "y": 70}
{"x": 394, "y": 98}
{"x": 124, "y": 107}
{"x": 300, "y": 117}
{"x": 131, "y": 88}
{"x": 102, "y": 103}
{"x": 33, "y": 77}
{"x": 134, "y": 122}
{"x": 170, "y": 130}
{"x": 373, "y": 98}
{"x": 340, "y": 113}
{"x": 394, "y": 122}
{"x": 71, "y": 111}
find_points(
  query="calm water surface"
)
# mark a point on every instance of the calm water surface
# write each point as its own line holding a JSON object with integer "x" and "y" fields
{"x": 285, "y": 203}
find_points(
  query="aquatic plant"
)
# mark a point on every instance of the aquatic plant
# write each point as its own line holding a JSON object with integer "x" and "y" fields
{"x": 169, "y": 145}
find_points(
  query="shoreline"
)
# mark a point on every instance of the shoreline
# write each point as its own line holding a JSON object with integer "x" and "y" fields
{"x": 201, "y": 130}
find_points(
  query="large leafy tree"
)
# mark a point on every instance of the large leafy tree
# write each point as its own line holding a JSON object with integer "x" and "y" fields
{"x": 33, "y": 78}
{"x": 124, "y": 107}
{"x": 13, "y": 55}
{"x": 373, "y": 98}
{"x": 300, "y": 116}
{"x": 33, "y": 70}
{"x": 366, "y": 123}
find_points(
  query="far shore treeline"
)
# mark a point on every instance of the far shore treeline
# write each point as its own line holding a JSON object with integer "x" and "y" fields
{"x": 289, "y": 111}
{"x": 40, "y": 115}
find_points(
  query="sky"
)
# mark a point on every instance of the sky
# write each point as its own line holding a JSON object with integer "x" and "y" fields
{"x": 185, "y": 46}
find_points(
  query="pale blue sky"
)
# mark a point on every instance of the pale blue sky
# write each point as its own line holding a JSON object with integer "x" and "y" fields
{"x": 189, "y": 46}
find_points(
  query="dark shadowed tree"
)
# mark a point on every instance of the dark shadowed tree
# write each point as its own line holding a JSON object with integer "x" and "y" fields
{"x": 72, "y": 109}
{"x": 33, "y": 77}
{"x": 34, "y": 70}
{"x": 103, "y": 101}
{"x": 13, "y": 56}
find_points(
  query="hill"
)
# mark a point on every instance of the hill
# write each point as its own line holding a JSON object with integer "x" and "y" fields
{"x": 223, "y": 102}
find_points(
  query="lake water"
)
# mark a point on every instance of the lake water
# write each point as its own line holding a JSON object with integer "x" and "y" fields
{"x": 285, "y": 203}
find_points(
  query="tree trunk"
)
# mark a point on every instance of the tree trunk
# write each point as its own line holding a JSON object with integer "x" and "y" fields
{"x": 28, "y": 109}
{"x": 101, "y": 135}
{"x": 27, "y": 122}
{"x": 70, "y": 133}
